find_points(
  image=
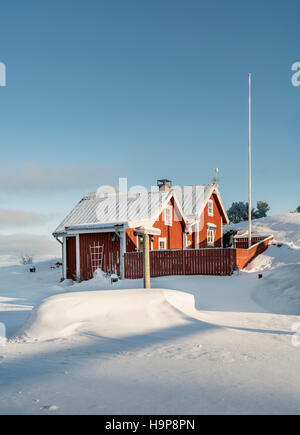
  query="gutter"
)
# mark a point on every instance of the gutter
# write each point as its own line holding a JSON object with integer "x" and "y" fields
{"x": 59, "y": 241}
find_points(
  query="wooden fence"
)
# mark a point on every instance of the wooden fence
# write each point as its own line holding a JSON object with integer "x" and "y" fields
{"x": 243, "y": 242}
{"x": 218, "y": 261}
{"x": 245, "y": 256}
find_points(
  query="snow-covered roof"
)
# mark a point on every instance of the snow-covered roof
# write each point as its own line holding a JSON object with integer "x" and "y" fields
{"x": 135, "y": 209}
{"x": 193, "y": 199}
{"x": 114, "y": 209}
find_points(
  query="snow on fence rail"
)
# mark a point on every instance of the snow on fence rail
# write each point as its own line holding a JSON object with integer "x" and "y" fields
{"x": 243, "y": 243}
{"x": 218, "y": 261}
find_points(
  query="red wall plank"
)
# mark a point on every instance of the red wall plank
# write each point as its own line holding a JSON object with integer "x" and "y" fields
{"x": 71, "y": 257}
{"x": 111, "y": 253}
{"x": 216, "y": 219}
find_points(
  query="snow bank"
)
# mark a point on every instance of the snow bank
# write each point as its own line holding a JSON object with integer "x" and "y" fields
{"x": 114, "y": 314}
{"x": 279, "y": 290}
{"x": 273, "y": 258}
{"x": 285, "y": 228}
{"x": 259, "y": 264}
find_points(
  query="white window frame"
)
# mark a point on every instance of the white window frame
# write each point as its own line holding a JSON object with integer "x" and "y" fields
{"x": 168, "y": 216}
{"x": 210, "y": 208}
{"x": 211, "y": 235}
{"x": 162, "y": 239}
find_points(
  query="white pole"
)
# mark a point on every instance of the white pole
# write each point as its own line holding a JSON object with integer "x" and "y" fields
{"x": 146, "y": 261}
{"x": 122, "y": 252}
{"x": 250, "y": 187}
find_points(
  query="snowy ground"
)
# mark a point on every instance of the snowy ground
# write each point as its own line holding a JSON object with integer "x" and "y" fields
{"x": 215, "y": 345}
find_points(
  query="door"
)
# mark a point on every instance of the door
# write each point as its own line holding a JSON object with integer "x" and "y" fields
{"x": 71, "y": 258}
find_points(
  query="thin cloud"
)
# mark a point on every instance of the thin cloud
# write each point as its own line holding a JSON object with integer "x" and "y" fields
{"x": 41, "y": 178}
{"x": 19, "y": 218}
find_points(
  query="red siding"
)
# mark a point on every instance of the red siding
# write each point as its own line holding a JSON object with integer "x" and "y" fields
{"x": 130, "y": 241}
{"x": 216, "y": 219}
{"x": 111, "y": 253}
{"x": 71, "y": 257}
{"x": 173, "y": 234}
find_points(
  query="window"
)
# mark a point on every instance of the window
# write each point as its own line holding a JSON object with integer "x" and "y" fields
{"x": 168, "y": 216}
{"x": 210, "y": 208}
{"x": 210, "y": 237}
{"x": 162, "y": 244}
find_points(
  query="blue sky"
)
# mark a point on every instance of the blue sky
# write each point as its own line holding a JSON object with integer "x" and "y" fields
{"x": 144, "y": 89}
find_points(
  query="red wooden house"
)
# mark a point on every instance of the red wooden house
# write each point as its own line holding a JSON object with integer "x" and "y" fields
{"x": 105, "y": 225}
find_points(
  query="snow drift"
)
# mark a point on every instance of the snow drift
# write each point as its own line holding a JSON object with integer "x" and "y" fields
{"x": 113, "y": 314}
{"x": 279, "y": 291}
{"x": 285, "y": 228}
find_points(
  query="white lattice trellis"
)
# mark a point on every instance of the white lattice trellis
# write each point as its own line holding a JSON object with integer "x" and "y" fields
{"x": 96, "y": 252}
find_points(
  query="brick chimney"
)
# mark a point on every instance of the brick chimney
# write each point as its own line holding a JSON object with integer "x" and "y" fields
{"x": 164, "y": 184}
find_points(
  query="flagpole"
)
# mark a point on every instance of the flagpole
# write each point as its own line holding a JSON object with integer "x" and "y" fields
{"x": 250, "y": 187}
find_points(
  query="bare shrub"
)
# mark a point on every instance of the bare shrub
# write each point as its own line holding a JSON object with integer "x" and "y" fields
{"x": 26, "y": 259}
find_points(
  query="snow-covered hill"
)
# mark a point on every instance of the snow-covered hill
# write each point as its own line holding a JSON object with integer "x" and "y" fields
{"x": 285, "y": 228}
{"x": 280, "y": 290}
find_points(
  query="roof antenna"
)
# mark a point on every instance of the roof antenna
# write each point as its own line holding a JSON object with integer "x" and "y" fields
{"x": 216, "y": 179}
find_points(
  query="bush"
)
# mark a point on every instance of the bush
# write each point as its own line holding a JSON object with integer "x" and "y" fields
{"x": 26, "y": 259}
{"x": 238, "y": 212}
{"x": 262, "y": 209}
